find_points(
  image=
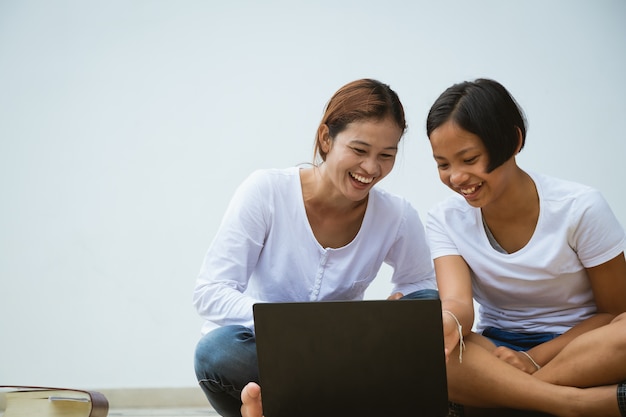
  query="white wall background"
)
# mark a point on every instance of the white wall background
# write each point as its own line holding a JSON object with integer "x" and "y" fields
{"x": 126, "y": 125}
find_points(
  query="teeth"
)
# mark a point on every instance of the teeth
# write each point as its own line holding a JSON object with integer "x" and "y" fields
{"x": 361, "y": 179}
{"x": 470, "y": 190}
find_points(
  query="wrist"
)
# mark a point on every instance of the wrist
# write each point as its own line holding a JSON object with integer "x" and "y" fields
{"x": 459, "y": 329}
{"x": 535, "y": 364}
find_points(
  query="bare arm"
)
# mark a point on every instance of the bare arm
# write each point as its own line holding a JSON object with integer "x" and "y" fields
{"x": 608, "y": 281}
{"x": 455, "y": 290}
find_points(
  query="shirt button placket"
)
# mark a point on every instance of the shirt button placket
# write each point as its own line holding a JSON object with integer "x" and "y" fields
{"x": 318, "y": 277}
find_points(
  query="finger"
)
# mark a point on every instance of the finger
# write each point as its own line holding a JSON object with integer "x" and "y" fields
{"x": 251, "y": 391}
{"x": 395, "y": 296}
{"x": 251, "y": 401}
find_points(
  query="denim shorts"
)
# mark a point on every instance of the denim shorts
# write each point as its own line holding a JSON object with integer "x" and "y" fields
{"x": 517, "y": 341}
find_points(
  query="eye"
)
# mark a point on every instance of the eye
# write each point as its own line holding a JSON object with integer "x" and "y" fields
{"x": 471, "y": 160}
{"x": 387, "y": 156}
{"x": 442, "y": 165}
{"x": 359, "y": 151}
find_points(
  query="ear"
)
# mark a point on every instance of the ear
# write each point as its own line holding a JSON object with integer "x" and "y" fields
{"x": 323, "y": 135}
{"x": 520, "y": 140}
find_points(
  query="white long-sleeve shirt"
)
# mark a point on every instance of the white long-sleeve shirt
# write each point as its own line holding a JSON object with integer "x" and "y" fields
{"x": 265, "y": 251}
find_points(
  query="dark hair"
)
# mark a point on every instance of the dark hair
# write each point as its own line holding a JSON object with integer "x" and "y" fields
{"x": 359, "y": 100}
{"x": 485, "y": 108}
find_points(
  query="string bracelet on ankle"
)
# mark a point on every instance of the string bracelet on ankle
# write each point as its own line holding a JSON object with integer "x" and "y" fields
{"x": 460, "y": 329}
{"x": 531, "y": 359}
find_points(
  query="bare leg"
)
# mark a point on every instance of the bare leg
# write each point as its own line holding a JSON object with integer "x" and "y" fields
{"x": 251, "y": 399}
{"x": 483, "y": 380}
{"x": 599, "y": 357}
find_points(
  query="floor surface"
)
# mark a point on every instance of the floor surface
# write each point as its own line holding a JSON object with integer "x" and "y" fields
{"x": 160, "y": 412}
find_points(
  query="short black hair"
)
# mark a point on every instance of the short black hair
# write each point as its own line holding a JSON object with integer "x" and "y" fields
{"x": 485, "y": 108}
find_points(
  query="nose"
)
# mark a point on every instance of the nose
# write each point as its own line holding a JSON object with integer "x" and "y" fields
{"x": 458, "y": 176}
{"x": 371, "y": 166}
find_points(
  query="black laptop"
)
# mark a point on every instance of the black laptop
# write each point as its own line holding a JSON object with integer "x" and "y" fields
{"x": 354, "y": 358}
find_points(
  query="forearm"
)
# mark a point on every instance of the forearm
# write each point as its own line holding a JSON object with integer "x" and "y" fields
{"x": 544, "y": 353}
{"x": 455, "y": 290}
{"x": 457, "y": 321}
{"x": 222, "y": 304}
{"x": 462, "y": 311}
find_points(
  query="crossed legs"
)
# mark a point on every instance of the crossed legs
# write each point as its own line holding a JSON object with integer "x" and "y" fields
{"x": 596, "y": 359}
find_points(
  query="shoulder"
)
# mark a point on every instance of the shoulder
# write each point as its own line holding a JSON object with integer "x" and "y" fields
{"x": 559, "y": 188}
{"x": 453, "y": 208}
{"x": 267, "y": 179}
{"x": 384, "y": 201}
{"x": 264, "y": 185}
{"x": 564, "y": 193}
{"x": 392, "y": 216}
{"x": 273, "y": 174}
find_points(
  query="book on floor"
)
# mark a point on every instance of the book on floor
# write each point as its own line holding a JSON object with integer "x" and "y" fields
{"x": 22, "y": 401}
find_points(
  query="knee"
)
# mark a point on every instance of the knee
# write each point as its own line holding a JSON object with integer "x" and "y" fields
{"x": 216, "y": 349}
{"x": 618, "y": 332}
{"x": 621, "y": 318}
{"x": 620, "y": 326}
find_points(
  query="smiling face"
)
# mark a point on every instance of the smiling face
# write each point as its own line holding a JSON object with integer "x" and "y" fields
{"x": 360, "y": 155}
{"x": 462, "y": 160}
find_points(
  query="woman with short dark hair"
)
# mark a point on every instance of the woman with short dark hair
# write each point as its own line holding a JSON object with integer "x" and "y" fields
{"x": 543, "y": 258}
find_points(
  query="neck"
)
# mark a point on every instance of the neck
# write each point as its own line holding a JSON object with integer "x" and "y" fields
{"x": 520, "y": 198}
{"x": 318, "y": 192}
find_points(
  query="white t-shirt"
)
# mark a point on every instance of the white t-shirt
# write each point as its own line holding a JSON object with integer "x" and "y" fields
{"x": 265, "y": 250}
{"x": 543, "y": 287}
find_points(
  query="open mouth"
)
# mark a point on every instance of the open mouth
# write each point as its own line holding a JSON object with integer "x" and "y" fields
{"x": 361, "y": 179}
{"x": 471, "y": 190}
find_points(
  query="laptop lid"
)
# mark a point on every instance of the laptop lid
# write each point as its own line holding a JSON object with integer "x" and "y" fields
{"x": 373, "y": 358}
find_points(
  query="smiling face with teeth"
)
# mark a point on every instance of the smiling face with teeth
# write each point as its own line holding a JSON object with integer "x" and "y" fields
{"x": 359, "y": 156}
{"x": 475, "y": 129}
{"x": 463, "y": 161}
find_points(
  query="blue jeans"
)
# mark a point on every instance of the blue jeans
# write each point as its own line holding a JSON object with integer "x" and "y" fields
{"x": 422, "y": 295}
{"x": 517, "y": 341}
{"x": 226, "y": 360}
